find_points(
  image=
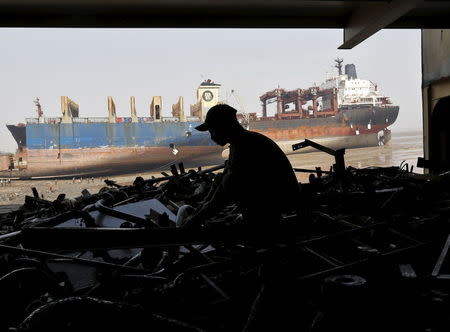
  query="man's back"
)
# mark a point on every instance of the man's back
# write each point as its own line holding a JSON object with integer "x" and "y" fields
{"x": 258, "y": 177}
{"x": 261, "y": 176}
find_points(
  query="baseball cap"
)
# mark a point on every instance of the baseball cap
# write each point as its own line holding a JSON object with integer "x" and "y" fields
{"x": 218, "y": 115}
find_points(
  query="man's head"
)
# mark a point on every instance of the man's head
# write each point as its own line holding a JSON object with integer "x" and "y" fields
{"x": 221, "y": 122}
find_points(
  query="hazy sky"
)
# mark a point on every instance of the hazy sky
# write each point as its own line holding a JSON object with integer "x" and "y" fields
{"x": 90, "y": 64}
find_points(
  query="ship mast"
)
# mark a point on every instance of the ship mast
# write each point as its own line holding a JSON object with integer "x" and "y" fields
{"x": 39, "y": 111}
{"x": 338, "y": 65}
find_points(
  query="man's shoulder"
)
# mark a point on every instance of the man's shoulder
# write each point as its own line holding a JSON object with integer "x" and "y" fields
{"x": 254, "y": 144}
{"x": 253, "y": 135}
{"x": 255, "y": 138}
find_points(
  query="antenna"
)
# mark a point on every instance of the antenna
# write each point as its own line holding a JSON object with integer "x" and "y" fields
{"x": 238, "y": 100}
{"x": 338, "y": 64}
{"x": 246, "y": 117}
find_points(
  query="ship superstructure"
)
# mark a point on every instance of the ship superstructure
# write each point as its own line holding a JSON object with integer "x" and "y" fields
{"x": 352, "y": 90}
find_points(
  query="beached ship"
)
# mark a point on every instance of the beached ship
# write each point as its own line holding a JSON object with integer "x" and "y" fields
{"x": 343, "y": 112}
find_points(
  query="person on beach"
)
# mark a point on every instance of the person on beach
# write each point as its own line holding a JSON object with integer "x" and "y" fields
{"x": 258, "y": 176}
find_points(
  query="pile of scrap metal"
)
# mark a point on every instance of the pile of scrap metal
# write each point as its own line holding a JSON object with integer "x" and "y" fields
{"x": 360, "y": 257}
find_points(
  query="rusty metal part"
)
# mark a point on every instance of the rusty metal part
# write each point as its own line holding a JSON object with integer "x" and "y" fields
{"x": 300, "y": 97}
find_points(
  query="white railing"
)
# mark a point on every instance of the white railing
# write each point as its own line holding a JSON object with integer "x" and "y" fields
{"x": 106, "y": 120}
{"x": 32, "y": 120}
{"x": 52, "y": 120}
{"x": 122, "y": 119}
{"x": 171, "y": 119}
{"x": 145, "y": 119}
{"x": 79, "y": 120}
{"x": 192, "y": 118}
{"x": 97, "y": 120}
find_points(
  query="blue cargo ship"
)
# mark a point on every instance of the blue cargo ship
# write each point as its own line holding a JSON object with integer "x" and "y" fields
{"x": 74, "y": 145}
{"x": 344, "y": 112}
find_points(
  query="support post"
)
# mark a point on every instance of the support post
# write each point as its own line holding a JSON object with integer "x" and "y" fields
{"x": 156, "y": 108}
{"x": 298, "y": 104}
{"x": 178, "y": 110}
{"x": 111, "y": 110}
{"x": 134, "y": 118}
{"x": 69, "y": 109}
{"x": 279, "y": 103}
{"x": 314, "y": 101}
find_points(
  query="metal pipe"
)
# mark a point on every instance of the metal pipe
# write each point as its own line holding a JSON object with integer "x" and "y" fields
{"x": 9, "y": 235}
{"x": 212, "y": 169}
{"x": 87, "y": 262}
{"x": 60, "y": 218}
{"x": 304, "y": 170}
{"x": 100, "y": 205}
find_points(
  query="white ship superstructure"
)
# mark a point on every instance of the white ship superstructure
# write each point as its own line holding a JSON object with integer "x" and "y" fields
{"x": 352, "y": 90}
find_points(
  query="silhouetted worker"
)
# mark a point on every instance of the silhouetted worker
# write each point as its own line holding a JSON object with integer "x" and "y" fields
{"x": 258, "y": 176}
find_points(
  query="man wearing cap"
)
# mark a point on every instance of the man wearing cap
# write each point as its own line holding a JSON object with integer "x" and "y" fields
{"x": 258, "y": 176}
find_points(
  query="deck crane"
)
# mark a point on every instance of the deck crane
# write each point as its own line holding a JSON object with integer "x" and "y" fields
{"x": 39, "y": 111}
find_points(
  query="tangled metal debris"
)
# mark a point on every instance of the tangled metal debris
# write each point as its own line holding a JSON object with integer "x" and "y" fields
{"x": 362, "y": 256}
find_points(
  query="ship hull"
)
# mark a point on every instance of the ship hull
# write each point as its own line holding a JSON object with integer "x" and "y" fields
{"x": 113, "y": 160}
{"x": 73, "y": 149}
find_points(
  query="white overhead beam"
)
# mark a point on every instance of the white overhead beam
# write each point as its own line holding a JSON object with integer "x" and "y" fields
{"x": 366, "y": 21}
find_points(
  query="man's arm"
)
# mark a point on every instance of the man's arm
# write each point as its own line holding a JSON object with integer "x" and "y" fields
{"x": 213, "y": 203}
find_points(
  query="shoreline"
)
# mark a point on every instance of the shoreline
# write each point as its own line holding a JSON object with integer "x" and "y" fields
{"x": 401, "y": 148}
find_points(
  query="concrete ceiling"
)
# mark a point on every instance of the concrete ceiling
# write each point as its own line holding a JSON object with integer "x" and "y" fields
{"x": 359, "y": 19}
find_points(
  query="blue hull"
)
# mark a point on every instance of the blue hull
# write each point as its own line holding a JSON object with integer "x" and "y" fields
{"x": 96, "y": 135}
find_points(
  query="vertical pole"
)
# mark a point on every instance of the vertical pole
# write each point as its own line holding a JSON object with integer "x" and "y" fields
{"x": 314, "y": 101}
{"x": 111, "y": 110}
{"x": 279, "y": 103}
{"x": 426, "y": 104}
{"x": 298, "y": 104}
{"x": 334, "y": 101}
{"x": 181, "y": 107}
{"x": 134, "y": 118}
